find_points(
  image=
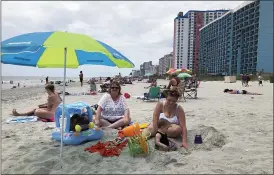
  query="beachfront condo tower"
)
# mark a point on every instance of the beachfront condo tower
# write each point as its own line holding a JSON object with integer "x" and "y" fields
{"x": 186, "y": 36}
{"x": 239, "y": 42}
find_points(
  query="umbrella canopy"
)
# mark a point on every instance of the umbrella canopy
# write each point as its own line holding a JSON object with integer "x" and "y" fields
{"x": 60, "y": 50}
{"x": 148, "y": 74}
{"x": 184, "y": 75}
{"x": 171, "y": 71}
{"x": 183, "y": 70}
{"x": 46, "y": 50}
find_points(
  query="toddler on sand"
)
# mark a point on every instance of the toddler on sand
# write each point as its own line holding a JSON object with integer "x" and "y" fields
{"x": 162, "y": 143}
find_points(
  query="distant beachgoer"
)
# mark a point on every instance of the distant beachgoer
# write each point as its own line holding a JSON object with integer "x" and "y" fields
{"x": 81, "y": 76}
{"x": 47, "y": 110}
{"x": 47, "y": 80}
{"x": 153, "y": 83}
{"x": 260, "y": 79}
{"x": 162, "y": 142}
{"x": 172, "y": 112}
{"x": 247, "y": 80}
{"x": 174, "y": 82}
{"x": 244, "y": 92}
{"x": 244, "y": 80}
{"x": 112, "y": 110}
{"x": 92, "y": 85}
{"x": 18, "y": 84}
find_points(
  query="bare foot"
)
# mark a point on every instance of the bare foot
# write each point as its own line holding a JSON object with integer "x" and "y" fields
{"x": 15, "y": 113}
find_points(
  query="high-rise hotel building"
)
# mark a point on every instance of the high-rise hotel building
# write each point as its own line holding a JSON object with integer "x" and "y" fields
{"x": 239, "y": 42}
{"x": 186, "y": 36}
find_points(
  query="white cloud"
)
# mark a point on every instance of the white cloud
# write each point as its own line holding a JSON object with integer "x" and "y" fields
{"x": 142, "y": 31}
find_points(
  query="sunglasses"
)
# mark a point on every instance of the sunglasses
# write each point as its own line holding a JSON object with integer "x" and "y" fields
{"x": 114, "y": 87}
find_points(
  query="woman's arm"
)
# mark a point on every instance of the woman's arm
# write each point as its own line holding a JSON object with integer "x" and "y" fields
{"x": 156, "y": 115}
{"x": 45, "y": 105}
{"x": 50, "y": 102}
{"x": 98, "y": 115}
{"x": 100, "y": 108}
{"x": 127, "y": 116}
{"x": 182, "y": 121}
{"x": 127, "y": 111}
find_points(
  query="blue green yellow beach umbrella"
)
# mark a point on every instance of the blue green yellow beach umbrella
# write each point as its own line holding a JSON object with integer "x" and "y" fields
{"x": 60, "y": 50}
{"x": 46, "y": 50}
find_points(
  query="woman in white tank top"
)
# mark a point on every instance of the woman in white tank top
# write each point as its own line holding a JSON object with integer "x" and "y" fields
{"x": 174, "y": 113}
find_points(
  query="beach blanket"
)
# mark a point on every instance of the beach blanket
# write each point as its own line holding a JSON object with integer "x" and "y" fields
{"x": 26, "y": 119}
{"x": 22, "y": 119}
{"x": 80, "y": 93}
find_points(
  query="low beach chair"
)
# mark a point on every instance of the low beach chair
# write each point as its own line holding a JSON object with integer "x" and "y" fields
{"x": 191, "y": 93}
{"x": 154, "y": 93}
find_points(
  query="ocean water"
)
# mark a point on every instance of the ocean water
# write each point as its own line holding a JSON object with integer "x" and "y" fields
{"x": 30, "y": 81}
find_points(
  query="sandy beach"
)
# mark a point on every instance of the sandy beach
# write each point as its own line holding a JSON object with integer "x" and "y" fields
{"x": 237, "y": 132}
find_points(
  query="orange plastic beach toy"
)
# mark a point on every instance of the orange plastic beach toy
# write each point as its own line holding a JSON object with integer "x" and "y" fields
{"x": 131, "y": 130}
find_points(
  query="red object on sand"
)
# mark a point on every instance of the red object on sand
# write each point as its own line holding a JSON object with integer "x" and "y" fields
{"x": 48, "y": 120}
{"x": 107, "y": 149}
{"x": 126, "y": 95}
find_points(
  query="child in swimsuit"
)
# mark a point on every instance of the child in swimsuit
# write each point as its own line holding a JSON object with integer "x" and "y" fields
{"x": 81, "y": 120}
{"x": 162, "y": 143}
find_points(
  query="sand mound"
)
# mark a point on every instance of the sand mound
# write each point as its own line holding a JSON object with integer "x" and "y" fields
{"x": 212, "y": 138}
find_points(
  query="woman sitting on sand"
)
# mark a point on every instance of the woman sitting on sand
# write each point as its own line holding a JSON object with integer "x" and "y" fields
{"x": 112, "y": 109}
{"x": 172, "y": 112}
{"x": 231, "y": 91}
{"x": 45, "y": 111}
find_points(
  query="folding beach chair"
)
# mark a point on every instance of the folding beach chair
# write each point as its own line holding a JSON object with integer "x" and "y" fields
{"x": 191, "y": 93}
{"x": 154, "y": 93}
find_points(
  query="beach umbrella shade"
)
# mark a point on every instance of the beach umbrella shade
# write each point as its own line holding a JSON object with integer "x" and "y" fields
{"x": 60, "y": 50}
{"x": 171, "y": 71}
{"x": 183, "y": 70}
{"x": 184, "y": 75}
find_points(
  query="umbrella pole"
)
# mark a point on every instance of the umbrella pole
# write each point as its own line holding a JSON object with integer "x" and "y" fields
{"x": 63, "y": 108}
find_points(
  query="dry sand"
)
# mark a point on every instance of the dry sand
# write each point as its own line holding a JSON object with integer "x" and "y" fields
{"x": 237, "y": 131}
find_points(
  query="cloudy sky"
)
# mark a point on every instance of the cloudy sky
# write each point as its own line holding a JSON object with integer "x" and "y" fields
{"x": 142, "y": 31}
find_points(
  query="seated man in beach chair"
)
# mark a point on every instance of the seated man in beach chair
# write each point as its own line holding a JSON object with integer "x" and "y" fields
{"x": 154, "y": 93}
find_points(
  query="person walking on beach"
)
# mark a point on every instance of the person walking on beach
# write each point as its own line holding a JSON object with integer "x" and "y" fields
{"x": 45, "y": 111}
{"x": 247, "y": 79}
{"x": 81, "y": 76}
{"x": 243, "y": 80}
{"x": 260, "y": 79}
{"x": 47, "y": 80}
